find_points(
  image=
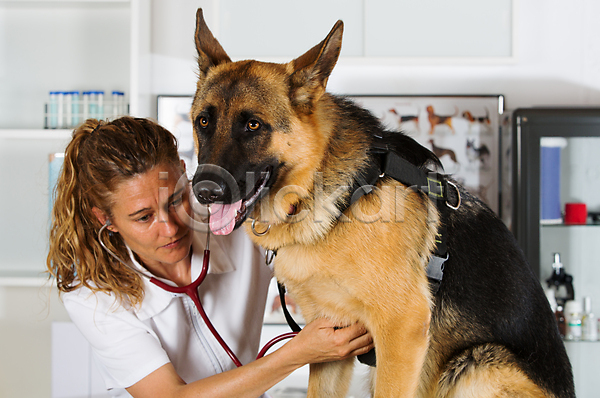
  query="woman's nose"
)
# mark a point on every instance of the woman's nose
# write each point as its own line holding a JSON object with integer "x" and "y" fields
{"x": 169, "y": 225}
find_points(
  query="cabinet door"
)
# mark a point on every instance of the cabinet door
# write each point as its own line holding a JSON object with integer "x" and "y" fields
{"x": 575, "y": 179}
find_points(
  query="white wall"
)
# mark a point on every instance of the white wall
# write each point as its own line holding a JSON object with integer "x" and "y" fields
{"x": 557, "y": 58}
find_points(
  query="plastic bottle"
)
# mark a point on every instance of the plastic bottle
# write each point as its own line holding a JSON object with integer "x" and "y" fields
{"x": 100, "y": 101}
{"x": 573, "y": 315}
{"x": 75, "y": 109}
{"x": 68, "y": 109}
{"x": 96, "y": 105}
{"x": 589, "y": 322}
{"x": 118, "y": 99}
{"x": 53, "y": 109}
{"x": 85, "y": 104}
{"x": 561, "y": 282}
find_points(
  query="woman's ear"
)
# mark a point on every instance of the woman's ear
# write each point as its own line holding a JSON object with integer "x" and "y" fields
{"x": 103, "y": 218}
{"x": 183, "y": 165}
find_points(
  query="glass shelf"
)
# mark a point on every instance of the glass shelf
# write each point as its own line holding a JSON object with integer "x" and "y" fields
{"x": 561, "y": 225}
{"x": 580, "y": 341}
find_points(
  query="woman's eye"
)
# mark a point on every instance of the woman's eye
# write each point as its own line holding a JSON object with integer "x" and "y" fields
{"x": 253, "y": 125}
{"x": 145, "y": 218}
{"x": 203, "y": 122}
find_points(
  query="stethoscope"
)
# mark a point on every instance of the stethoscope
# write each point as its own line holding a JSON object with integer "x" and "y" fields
{"x": 191, "y": 291}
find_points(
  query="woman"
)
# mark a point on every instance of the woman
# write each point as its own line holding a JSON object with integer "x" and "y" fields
{"x": 119, "y": 188}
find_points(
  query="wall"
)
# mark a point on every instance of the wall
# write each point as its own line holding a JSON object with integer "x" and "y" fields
{"x": 26, "y": 316}
{"x": 557, "y": 58}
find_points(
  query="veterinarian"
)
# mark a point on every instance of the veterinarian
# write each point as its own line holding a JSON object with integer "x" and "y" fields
{"x": 118, "y": 213}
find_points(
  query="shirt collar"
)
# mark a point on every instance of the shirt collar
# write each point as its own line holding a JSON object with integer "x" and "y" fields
{"x": 157, "y": 299}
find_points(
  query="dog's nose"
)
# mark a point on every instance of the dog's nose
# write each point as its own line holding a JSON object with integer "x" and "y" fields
{"x": 208, "y": 192}
{"x": 212, "y": 184}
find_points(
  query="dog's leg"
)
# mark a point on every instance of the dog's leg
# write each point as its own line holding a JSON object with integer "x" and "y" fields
{"x": 331, "y": 379}
{"x": 401, "y": 354}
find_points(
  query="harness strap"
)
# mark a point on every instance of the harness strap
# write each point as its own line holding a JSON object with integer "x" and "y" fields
{"x": 288, "y": 317}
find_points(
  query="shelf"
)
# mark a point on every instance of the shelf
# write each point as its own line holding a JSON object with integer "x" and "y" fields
{"x": 594, "y": 224}
{"x": 580, "y": 341}
{"x": 2, "y": 2}
{"x": 23, "y": 279}
{"x": 35, "y": 134}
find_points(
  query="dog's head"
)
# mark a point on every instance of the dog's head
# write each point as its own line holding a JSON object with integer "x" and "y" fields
{"x": 249, "y": 119}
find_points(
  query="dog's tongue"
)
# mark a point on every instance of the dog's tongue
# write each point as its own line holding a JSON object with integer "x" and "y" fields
{"x": 222, "y": 217}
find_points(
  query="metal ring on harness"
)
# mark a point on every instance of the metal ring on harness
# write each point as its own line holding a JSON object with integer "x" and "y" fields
{"x": 255, "y": 232}
{"x": 458, "y": 195}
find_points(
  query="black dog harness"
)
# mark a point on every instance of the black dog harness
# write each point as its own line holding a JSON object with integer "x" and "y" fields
{"x": 386, "y": 162}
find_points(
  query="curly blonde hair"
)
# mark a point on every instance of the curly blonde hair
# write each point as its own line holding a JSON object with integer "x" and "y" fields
{"x": 101, "y": 156}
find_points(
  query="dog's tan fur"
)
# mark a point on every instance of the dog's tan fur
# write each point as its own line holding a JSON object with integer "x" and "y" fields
{"x": 390, "y": 234}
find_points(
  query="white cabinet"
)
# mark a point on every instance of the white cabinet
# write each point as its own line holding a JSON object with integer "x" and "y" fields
{"x": 56, "y": 45}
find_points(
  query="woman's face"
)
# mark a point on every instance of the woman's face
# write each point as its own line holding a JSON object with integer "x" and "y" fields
{"x": 145, "y": 215}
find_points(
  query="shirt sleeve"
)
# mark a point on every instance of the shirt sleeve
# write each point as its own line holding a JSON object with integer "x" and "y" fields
{"x": 126, "y": 349}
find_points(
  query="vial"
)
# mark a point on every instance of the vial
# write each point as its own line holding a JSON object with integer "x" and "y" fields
{"x": 68, "y": 109}
{"x": 85, "y": 104}
{"x": 75, "y": 108}
{"x": 118, "y": 104}
{"x": 589, "y": 322}
{"x": 573, "y": 315}
{"x": 53, "y": 109}
{"x": 100, "y": 106}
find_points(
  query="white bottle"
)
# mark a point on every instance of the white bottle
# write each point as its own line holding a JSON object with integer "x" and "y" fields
{"x": 589, "y": 322}
{"x": 118, "y": 98}
{"x": 573, "y": 314}
{"x": 52, "y": 114}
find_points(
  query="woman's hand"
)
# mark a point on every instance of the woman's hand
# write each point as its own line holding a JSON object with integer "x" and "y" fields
{"x": 320, "y": 341}
{"x": 324, "y": 341}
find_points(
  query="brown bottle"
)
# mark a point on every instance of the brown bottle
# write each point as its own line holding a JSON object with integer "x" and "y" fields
{"x": 560, "y": 320}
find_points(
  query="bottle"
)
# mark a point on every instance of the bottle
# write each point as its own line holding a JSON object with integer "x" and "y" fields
{"x": 75, "y": 109}
{"x": 55, "y": 113}
{"x": 68, "y": 109}
{"x": 100, "y": 107}
{"x": 85, "y": 104}
{"x": 52, "y": 112}
{"x": 96, "y": 105}
{"x": 118, "y": 98}
{"x": 561, "y": 282}
{"x": 560, "y": 320}
{"x": 573, "y": 314}
{"x": 589, "y": 322}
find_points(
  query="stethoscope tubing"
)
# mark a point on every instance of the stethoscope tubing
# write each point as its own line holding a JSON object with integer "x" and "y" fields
{"x": 191, "y": 291}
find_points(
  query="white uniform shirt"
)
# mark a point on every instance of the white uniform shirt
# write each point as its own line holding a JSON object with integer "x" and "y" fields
{"x": 130, "y": 343}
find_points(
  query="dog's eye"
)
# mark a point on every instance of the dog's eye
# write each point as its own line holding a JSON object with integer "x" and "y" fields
{"x": 253, "y": 125}
{"x": 203, "y": 122}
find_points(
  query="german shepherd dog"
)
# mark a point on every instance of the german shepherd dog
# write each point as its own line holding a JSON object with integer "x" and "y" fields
{"x": 277, "y": 149}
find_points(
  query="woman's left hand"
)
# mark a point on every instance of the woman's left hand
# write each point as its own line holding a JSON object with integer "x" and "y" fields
{"x": 324, "y": 341}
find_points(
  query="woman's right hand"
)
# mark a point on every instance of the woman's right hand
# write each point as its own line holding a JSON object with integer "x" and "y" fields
{"x": 323, "y": 341}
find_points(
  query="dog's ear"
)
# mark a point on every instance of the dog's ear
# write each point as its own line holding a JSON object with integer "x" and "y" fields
{"x": 312, "y": 69}
{"x": 210, "y": 52}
